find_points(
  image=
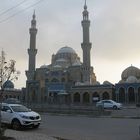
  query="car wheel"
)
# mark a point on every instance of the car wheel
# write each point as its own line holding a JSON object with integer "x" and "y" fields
{"x": 16, "y": 124}
{"x": 115, "y": 107}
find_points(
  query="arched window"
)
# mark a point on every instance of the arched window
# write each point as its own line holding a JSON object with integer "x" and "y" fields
{"x": 95, "y": 97}
{"x": 55, "y": 80}
{"x": 105, "y": 96}
{"x": 131, "y": 95}
{"x": 47, "y": 80}
{"x": 86, "y": 97}
{"x": 33, "y": 96}
{"x": 139, "y": 95}
{"x": 63, "y": 80}
{"x": 6, "y": 96}
{"x": 122, "y": 95}
{"x": 76, "y": 97}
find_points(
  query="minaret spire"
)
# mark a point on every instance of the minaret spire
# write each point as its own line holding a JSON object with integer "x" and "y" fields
{"x": 32, "y": 51}
{"x": 33, "y": 22}
{"x": 85, "y": 6}
{"x": 85, "y": 12}
{"x": 34, "y": 15}
{"x": 86, "y": 46}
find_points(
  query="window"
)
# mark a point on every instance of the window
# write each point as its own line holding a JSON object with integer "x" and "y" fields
{"x": 5, "y": 108}
{"x": 108, "y": 102}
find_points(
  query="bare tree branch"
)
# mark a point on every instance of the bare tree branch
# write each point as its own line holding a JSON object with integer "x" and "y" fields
{"x": 7, "y": 72}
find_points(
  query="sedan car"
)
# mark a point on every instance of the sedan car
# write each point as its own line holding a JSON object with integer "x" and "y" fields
{"x": 106, "y": 104}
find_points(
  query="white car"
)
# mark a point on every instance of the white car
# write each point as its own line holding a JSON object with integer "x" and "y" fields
{"x": 18, "y": 116}
{"x": 109, "y": 104}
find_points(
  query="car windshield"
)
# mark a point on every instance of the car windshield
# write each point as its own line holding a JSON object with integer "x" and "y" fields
{"x": 20, "y": 109}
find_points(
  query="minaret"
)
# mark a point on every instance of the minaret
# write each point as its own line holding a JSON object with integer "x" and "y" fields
{"x": 86, "y": 46}
{"x": 32, "y": 51}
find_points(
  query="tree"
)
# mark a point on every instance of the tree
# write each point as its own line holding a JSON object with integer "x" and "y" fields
{"x": 7, "y": 72}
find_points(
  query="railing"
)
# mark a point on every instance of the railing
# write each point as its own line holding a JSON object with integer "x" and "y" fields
{"x": 69, "y": 109}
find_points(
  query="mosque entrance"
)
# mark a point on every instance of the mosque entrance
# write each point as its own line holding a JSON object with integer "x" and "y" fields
{"x": 53, "y": 97}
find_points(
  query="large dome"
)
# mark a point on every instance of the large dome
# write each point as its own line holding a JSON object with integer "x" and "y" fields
{"x": 131, "y": 71}
{"x": 66, "y": 49}
{"x": 65, "y": 57}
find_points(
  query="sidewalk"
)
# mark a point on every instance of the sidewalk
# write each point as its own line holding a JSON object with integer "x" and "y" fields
{"x": 127, "y": 112}
{"x": 24, "y": 135}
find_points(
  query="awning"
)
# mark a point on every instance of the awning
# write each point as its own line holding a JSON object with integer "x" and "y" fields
{"x": 59, "y": 88}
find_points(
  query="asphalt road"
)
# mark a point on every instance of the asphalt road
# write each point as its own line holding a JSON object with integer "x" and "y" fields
{"x": 85, "y": 128}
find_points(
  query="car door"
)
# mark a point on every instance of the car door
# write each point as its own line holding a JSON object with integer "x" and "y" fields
{"x": 107, "y": 104}
{"x": 5, "y": 114}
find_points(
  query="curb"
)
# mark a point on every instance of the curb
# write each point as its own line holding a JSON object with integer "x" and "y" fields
{"x": 26, "y": 135}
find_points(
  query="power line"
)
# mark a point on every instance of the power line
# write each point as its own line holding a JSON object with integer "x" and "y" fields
{"x": 4, "y": 12}
{"x": 1, "y": 21}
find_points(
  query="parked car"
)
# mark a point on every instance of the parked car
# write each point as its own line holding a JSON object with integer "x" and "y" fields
{"x": 18, "y": 116}
{"x": 12, "y": 101}
{"x": 109, "y": 104}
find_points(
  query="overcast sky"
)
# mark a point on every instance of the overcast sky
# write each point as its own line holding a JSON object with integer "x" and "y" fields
{"x": 114, "y": 33}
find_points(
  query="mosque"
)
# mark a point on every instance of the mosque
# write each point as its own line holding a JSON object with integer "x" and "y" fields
{"x": 68, "y": 80}
{"x": 10, "y": 91}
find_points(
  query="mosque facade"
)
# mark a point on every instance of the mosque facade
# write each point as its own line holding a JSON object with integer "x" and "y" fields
{"x": 69, "y": 80}
{"x": 128, "y": 88}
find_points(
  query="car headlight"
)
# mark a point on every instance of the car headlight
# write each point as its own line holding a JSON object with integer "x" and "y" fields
{"x": 24, "y": 117}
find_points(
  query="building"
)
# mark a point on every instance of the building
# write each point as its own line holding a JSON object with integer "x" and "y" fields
{"x": 128, "y": 88}
{"x": 68, "y": 80}
{"x": 10, "y": 91}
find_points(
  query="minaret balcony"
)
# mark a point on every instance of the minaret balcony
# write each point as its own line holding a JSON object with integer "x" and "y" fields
{"x": 86, "y": 22}
{"x": 33, "y": 30}
{"x": 32, "y": 52}
{"x": 86, "y": 45}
